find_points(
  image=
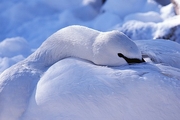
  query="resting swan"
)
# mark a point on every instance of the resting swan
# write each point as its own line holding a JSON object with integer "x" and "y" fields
{"x": 111, "y": 48}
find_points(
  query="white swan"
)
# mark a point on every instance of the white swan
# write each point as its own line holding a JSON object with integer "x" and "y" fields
{"x": 102, "y": 48}
{"x": 79, "y": 90}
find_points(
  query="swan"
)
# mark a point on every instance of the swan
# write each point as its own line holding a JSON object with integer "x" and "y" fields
{"x": 112, "y": 48}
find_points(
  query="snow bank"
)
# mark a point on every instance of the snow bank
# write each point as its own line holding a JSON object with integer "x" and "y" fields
{"x": 139, "y": 30}
{"x": 106, "y": 21}
{"x": 14, "y": 46}
{"x": 13, "y": 50}
{"x": 36, "y": 20}
{"x": 144, "y": 17}
{"x": 29, "y": 19}
{"x": 132, "y": 6}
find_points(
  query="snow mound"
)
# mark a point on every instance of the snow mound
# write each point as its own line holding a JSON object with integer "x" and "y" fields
{"x": 144, "y": 17}
{"x": 14, "y": 46}
{"x": 132, "y": 6}
{"x": 139, "y": 30}
{"x": 13, "y": 50}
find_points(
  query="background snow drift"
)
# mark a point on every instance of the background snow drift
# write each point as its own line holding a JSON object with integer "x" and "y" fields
{"x": 31, "y": 22}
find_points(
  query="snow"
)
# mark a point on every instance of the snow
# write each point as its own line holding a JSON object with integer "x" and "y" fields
{"x": 14, "y": 46}
{"x": 13, "y": 50}
{"x": 144, "y": 17}
{"x": 125, "y": 8}
{"x": 77, "y": 87}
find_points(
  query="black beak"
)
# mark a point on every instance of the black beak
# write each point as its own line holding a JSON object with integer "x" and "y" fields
{"x": 131, "y": 60}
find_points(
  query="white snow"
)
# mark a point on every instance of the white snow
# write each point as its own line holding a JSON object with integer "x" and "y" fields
{"x": 14, "y": 46}
{"x": 144, "y": 17}
{"x": 13, "y": 50}
{"x": 76, "y": 87}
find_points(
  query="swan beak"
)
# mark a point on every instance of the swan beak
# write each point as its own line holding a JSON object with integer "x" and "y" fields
{"x": 131, "y": 60}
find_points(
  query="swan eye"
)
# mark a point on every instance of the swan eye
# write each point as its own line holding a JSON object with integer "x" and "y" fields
{"x": 131, "y": 60}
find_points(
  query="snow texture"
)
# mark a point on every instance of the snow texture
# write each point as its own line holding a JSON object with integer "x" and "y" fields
{"x": 13, "y": 50}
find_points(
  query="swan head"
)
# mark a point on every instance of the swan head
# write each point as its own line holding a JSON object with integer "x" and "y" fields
{"x": 114, "y": 48}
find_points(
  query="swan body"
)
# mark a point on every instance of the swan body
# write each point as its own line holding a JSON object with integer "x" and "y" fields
{"x": 62, "y": 79}
{"x": 79, "y": 90}
{"x": 101, "y": 48}
{"x": 160, "y": 51}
